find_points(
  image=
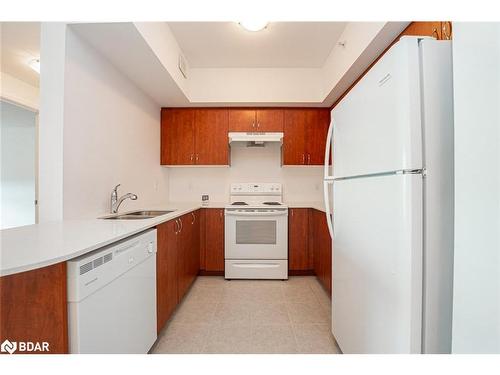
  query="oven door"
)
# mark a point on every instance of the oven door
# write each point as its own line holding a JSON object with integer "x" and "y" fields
{"x": 256, "y": 234}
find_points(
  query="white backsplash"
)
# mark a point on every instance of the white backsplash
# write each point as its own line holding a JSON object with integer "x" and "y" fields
{"x": 247, "y": 165}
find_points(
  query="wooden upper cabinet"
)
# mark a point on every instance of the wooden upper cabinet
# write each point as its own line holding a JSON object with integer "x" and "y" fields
{"x": 194, "y": 136}
{"x": 294, "y": 140}
{"x": 211, "y": 142}
{"x": 177, "y": 136}
{"x": 270, "y": 120}
{"x": 316, "y": 136}
{"x": 425, "y": 29}
{"x": 256, "y": 120}
{"x": 242, "y": 120}
{"x": 304, "y": 138}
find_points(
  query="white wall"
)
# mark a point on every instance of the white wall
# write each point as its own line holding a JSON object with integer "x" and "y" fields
{"x": 18, "y": 91}
{"x": 157, "y": 49}
{"x": 17, "y": 179}
{"x": 162, "y": 41}
{"x": 247, "y": 165}
{"x": 258, "y": 85}
{"x": 51, "y": 121}
{"x": 111, "y": 136}
{"x": 476, "y": 305}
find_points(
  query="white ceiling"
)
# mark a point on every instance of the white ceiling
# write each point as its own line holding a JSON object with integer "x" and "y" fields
{"x": 280, "y": 45}
{"x": 20, "y": 44}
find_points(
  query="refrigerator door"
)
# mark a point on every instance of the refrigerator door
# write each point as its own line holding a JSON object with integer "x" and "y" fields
{"x": 378, "y": 124}
{"x": 377, "y": 264}
{"x": 437, "y": 84}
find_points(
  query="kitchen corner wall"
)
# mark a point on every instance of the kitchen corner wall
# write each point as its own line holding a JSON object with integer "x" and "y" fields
{"x": 247, "y": 165}
{"x": 111, "y": 136}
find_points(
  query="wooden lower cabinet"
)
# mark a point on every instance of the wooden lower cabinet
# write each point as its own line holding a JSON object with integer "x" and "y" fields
{"x": 309, "y": 245}
{"x": 212, "y": 240}
{"x": 166, "y": 272}
{"x": 33, "y": 307}
{"x": 188, "y": 246}
{"x": 298, "y": 240}
{"x": 322, "y": 249}
{"x": 177, "y": 262}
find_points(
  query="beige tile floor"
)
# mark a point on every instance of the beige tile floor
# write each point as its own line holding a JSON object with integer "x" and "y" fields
{"x": 250, "y": 316}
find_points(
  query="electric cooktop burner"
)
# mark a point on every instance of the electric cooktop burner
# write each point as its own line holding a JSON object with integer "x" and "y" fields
{"x": 272, "y": 203}
{"x": 239, "y": 204}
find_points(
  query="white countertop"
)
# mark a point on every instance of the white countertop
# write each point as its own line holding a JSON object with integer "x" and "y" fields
{"x": 320, "y": 206}
{"x": 40, "y": 245}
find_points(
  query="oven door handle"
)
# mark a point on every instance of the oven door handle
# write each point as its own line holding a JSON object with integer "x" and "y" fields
{"x": 256, "y": 265}
{"x": 275, "y": 213}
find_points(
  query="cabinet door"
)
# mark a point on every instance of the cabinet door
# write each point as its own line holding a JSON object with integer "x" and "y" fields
{"x": 166, "y": 272}
{"x": 294, "y": 139}
{"x": 214, "y": 239}
{"x": 298, "y": 239}
{"x": 270, "y": 120}
{"x": 195, "y": 245}
{"x": 33, "y": 307}
{"x": 316, "y": 242}
{"x": 190, "y": 235}
{"x": 322, "y": 250}
{"x": 426, "y": 28}
{"x": 211, "y": 142}
{"x": 177, "y": 136}
{"x": 325, "y": 253}
{"x": 184, "y": 239}
{"x": 242, "y": 120}
{"x": 317, "y": 128}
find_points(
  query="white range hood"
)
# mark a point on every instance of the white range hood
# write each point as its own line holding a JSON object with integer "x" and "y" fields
{"x": 255, "y": 137}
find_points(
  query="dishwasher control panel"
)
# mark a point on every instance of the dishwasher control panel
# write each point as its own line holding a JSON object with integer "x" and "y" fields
{"x": 89, "y": 272}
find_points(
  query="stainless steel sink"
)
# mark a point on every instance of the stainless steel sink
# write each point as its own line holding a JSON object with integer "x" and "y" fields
{"x": 138, "y": 215}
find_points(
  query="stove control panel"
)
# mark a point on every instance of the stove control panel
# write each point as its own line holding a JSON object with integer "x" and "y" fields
{"x": 248, "y": 188}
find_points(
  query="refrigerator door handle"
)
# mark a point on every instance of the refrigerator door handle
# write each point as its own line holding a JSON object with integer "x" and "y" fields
{"x": 328, "y": 179}
{"x": 329, "y": 220}
{"x": 328, "y": 148}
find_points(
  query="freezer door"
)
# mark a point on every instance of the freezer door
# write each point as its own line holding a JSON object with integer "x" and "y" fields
{"x": 378, "y": 124}
{"x": 377, "y": 264}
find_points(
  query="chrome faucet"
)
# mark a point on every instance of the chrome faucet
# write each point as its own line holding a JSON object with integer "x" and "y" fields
{"x": 116, "y": 202}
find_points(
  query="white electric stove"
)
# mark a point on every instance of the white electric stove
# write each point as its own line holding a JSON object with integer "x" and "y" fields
{"x": 256, "y": 232}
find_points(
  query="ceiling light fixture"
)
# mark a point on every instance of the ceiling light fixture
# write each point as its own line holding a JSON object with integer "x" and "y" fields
{"x": 35, "y": 65}
{"x": 253, "y": 25}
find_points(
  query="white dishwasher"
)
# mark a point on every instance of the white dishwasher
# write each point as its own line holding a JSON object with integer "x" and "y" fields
{"x": 112, "y": 297}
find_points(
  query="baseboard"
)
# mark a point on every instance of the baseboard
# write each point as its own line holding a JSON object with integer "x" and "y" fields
{"x": 301, "y": 273}
{"x": 290, "y": 273}
{"x": 210, "y": 273}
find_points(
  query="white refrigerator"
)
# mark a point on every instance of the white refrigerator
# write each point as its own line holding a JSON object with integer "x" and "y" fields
{"x": 389, "y": 199}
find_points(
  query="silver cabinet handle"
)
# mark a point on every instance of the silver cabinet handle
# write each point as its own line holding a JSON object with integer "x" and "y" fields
{"x": 191, "y": 157}
{"x": 194, "y": 217}
{"x": 180, "y": 221}
{"x": 253, "y": 124}
{"x": 197, "y": 157}
{"x": 258, "y": 124}
{"x": 303, "y": 158}
{"x": 308, "y": 158}
{"x": 176, "y": 229}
